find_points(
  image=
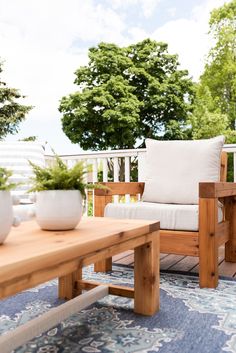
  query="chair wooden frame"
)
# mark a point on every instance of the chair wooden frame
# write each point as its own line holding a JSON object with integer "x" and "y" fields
{"x": 203, "y": 243}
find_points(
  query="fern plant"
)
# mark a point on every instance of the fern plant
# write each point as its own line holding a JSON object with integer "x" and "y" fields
{"x": 5, "y": 184}
{"x": 60, "y": 177}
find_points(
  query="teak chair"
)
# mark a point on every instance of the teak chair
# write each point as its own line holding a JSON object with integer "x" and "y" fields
{"x": 203, "y": 243}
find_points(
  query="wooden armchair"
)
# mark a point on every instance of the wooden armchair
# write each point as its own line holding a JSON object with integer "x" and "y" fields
{"x": 203, "y": 243}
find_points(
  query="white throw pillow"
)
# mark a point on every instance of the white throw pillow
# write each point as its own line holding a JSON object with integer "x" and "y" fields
{"x": 175, "y": 168}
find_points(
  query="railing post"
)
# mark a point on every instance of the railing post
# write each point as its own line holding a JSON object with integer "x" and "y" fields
{"x": 95, "y": 170}
{"x": 86, "y": 191}
{"x": 105, "y": 170}
{"x": 127, "y": 176}
{"x": 116, "y": 175}
{"x": 95, "y": 179}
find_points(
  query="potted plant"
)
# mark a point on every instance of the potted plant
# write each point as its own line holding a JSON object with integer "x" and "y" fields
{"x": 6, "y": 210}
{"x": 59, "y": 194}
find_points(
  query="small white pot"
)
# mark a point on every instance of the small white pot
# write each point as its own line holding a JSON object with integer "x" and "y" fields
{"x": 6, "y": 215}
{"x": 58, "y": 209}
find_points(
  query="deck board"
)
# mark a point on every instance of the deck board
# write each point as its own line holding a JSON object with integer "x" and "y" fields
{"x": 180, "y": 263}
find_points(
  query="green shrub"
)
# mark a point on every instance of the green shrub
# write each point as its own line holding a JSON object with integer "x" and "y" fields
{"x": 60, "y": 177}
{"x": 5, "y": 184}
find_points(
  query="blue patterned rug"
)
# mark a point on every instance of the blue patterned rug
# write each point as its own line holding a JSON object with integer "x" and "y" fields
{"x": 190, "y": 319}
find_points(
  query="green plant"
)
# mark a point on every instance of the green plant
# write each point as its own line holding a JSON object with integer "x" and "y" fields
{"x": 5, "y": 184}
{"x": 126, "y": 94}
{"x": 60, "y": 177}
{"x": 12, "y": 113}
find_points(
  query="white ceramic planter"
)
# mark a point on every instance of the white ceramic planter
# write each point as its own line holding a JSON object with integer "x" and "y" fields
{"x": 6, "y": 215}
{"x": 58, "y": 209}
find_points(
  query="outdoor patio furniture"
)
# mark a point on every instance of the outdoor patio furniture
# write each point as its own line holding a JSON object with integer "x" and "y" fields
{"x": 31, "y": 256}
{"x": 187, "y": 191}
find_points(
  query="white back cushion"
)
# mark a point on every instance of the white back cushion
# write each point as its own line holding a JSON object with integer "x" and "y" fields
{"x": 175, "y": 168}
{"x": 15, "y": 156}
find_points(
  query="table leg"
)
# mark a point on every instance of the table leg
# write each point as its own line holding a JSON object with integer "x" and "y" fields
{"x": 66, "y": 285}
{"x": 103, "y": 265}
{"x": 146, "y": 276}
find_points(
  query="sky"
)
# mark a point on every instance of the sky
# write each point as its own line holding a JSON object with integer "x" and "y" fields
{"x": 43, "y": 42}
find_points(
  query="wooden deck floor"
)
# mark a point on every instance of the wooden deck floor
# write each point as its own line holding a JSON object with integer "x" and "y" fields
{"x": 181, "y": 263}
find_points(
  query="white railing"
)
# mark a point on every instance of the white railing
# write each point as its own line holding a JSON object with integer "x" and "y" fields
{"x": 98, "y": 162}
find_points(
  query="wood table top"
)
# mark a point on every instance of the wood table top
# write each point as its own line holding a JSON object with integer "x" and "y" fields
{"x": 28, "y": 246}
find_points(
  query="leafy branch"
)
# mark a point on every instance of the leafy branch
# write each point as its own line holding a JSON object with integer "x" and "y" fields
{"x": 60, "y": 177}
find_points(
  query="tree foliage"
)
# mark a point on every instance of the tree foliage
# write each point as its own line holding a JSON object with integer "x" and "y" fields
{"x": 220, "y": 71}
{"x": 12, "y": 113}
{"x": 207, "y": 120}
{"x": 126, "y": 94}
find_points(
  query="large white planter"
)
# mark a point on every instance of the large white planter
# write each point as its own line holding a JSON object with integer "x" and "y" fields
{"x": 58, "y": 209}
{"x": 6, "y": 214}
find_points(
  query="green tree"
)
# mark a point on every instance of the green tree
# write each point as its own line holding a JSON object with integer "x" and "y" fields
{"x": 207, "y": 120}
{"x": 220, "y": 70}
{"x": 12, "y": 113}
{"x": 126, "y": 94}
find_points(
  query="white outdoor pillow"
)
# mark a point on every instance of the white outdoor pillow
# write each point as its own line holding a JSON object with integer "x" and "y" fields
{"x": 175, "y": 168}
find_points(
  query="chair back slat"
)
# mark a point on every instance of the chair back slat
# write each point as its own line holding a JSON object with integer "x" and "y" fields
{"x": 223, "y": 166}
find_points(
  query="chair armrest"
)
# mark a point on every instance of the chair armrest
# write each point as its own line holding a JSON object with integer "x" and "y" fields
{"x": 120, "y": 188}
{"x": 216, "y": 190}
{"x": 104, "y": 196}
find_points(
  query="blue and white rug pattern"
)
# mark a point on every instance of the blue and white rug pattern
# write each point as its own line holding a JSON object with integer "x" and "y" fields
{"x": 190, "y": 319}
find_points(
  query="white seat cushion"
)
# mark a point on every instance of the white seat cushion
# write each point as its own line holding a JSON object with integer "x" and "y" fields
{"x": 171, "y": 216}
{"x": 175, "y": 168}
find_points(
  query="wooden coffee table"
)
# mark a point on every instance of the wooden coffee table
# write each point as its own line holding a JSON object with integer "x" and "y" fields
{"x": 31, "y": 256}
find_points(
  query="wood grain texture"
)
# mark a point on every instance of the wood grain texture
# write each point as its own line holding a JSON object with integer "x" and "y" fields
{"x": 219, "y": 189}
{"x": 103, "y": 265}
{"x": 208, "y": 245}
{"x": 223, "y": 166}
{"x": 120, "y": 188}
{"x": 146, "y": 277}
{"x": 230, "y": 246}
{"x": 100, "y": 203}
{"x": 222, "y": 232}
{"x": 113, "y": 289}
{"x": 31, "y": 256}
{"x": 28, "y": 247}
{"x": 179, "y": 242}
{"x": 64, "y": 270}
{"x": 112, "y": 250}
{"x": 67, "y": 285}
